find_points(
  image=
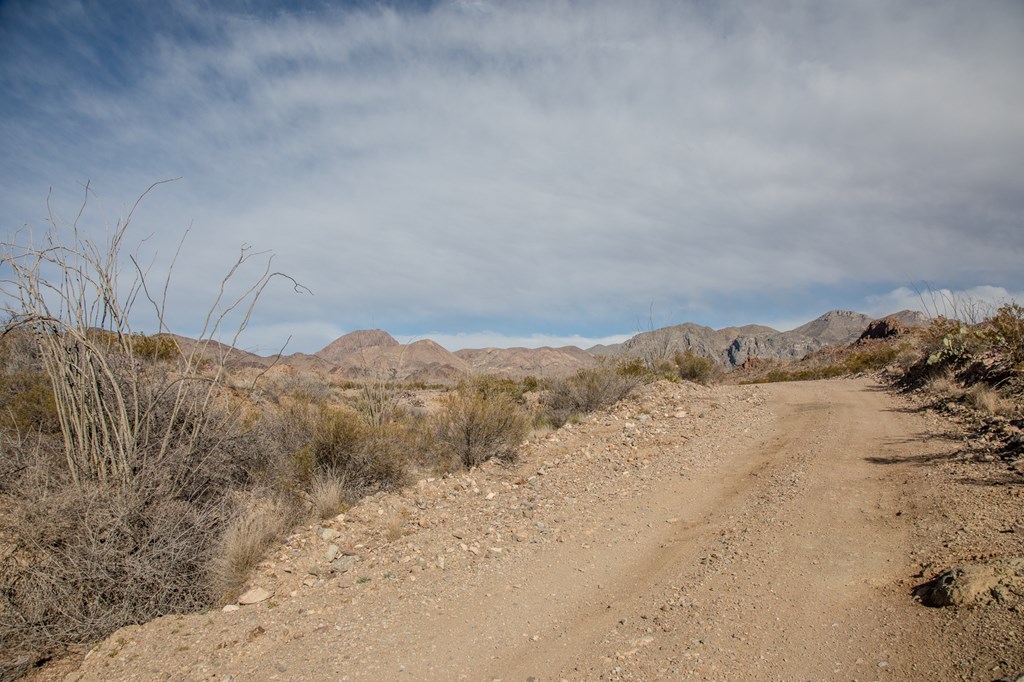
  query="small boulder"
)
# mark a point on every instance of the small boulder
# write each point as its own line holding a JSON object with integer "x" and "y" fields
{"x": 999, "y": 581}
{"x": 342, "y": 564}
{"x": 885, "y": 328}
{"x": 255, "y": 596}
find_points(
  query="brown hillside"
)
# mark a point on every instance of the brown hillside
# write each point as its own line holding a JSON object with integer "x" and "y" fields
{"x": 355, "y": 342}
{"x": 518, "y": 362}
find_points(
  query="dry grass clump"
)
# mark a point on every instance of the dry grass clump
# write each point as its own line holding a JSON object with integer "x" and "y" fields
{"x": 245, "y": 541}
{"x": 945, "y": 386}
{"x": 475, "y": 425}
{"x": 329, "y": 495}
{"x": 987, "y": 400}
{"x": 586, "y": 391}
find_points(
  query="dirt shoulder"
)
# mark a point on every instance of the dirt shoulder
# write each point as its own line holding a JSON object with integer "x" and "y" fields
{"x": 771, "y": 532}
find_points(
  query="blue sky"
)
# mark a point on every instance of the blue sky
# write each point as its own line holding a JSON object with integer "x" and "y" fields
{"x": 530, "y": 172}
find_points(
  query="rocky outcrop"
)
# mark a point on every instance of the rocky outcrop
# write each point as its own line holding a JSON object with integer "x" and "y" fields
{"x": 734, "y": 346}
{"x": 997, "y": 581}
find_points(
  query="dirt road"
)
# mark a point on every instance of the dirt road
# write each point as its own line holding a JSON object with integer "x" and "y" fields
{"x": 768, "y": 533}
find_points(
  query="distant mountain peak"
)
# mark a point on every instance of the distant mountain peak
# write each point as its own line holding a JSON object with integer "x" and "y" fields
{"x": 355, "y": 342}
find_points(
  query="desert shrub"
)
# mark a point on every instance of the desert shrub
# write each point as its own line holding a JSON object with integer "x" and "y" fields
{"x": 870, "y": 360}
{"x": 856, "y": 362}
{"x": 26, "y": 396}
{"x": 697, "y": 368}
{"x": 490, "y": 385}
{"x": 342, "y": 444}
{"x": 86, "y": 559}
{"x": 635, "y": 368}
{"x": 121, "y": 525}
{"x": 378, "y": 397}
{"x": 1004, "y": 333}
{"x": 471, "y": 427}
{"x": 158, "y": 347}
{"x": 26, "y": 403}
{"x": 586, "y": 391}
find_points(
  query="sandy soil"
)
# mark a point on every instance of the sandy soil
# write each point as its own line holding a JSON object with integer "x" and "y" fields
{"x": 771, "y": 532}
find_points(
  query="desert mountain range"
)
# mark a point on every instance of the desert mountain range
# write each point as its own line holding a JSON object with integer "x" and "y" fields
{"x": 375, "y": 353}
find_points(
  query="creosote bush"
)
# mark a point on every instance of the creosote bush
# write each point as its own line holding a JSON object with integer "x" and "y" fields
{"x": 588, "y": 390}
{"x": 343, "y": 445}
{"x": 475, "y": 424}
{"x": 696, "y": 368}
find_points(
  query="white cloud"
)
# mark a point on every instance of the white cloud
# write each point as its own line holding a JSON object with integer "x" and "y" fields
{"x": 486, "y": 339}
{"x": 478, "y": 165}
{"x": 973, "y": 302}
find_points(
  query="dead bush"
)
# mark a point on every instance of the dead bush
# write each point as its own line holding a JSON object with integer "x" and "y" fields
{"x": 87, "y": 559}
{"x": 472, "y": 428}
{"x": 586, "y": 391}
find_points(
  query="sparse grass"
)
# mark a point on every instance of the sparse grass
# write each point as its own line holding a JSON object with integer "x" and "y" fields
{"x": 394, "y": 528}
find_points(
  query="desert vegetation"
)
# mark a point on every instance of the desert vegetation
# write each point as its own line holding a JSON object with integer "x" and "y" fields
{"x": 979, "y": 365}
{"x": 970, "y": 362}
{"x": 141, "y": 476}
{"x": 830, "y": 364}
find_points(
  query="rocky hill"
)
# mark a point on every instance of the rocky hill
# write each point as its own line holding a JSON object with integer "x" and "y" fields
{"x": 374, "y": 353}
{"x": 344, "y": 348}
{"x": 733, "y": 346}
